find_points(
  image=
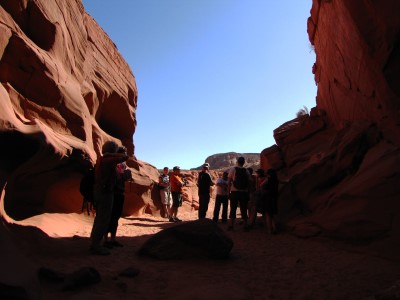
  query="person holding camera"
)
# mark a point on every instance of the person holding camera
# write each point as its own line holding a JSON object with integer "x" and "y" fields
{"x": 105, "y": 181}
{"x": 177, "y": 183}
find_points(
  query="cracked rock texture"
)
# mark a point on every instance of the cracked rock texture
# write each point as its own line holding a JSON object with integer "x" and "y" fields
{"x": 339, "y": 165}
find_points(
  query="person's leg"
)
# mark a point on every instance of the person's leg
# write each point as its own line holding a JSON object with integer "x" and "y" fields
{"x": 204, "y": 199}
{"x": 252, "y": 207}
{"x": 217, "y": 206}
{"x": 104, "y": 203}
{"x": 268, "y": 222}
{"x": 169, "y": 204}
{"x": 205, "y": 207}
{"x": 232, "y": 214}
{"x": 201, "y": 206}
{"x": 178, "y": 204}
{"x": 119, "y": 199}
{"x": 164, "y": 203}
{"x": 243, "y": 201}
{"x": 224, "y": 201}
{"x": 273, "y": 224}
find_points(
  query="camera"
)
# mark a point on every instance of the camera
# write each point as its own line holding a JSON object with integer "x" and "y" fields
{"x": 185, "y": 182}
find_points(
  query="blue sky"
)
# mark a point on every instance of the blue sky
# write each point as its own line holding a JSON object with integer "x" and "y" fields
{"x": 213, "y": 76}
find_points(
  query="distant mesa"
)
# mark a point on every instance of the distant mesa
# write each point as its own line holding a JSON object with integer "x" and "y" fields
{"x": 222, "y": 161}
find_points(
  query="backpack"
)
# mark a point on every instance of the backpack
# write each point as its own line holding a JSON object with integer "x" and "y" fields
{"x": 241, "y": 180}
{"x": 86, "y": 189}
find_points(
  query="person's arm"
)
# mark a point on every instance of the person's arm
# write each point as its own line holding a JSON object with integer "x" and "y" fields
{"x": 211, "y": 180}
{"x": 230, "y": 180}
{"x": 161, "y": 181}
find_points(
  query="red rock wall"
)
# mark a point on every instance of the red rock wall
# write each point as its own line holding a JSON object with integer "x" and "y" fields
{"x": 64, "y": 90}
{"x": 357, "y": 45}
{"x": 338, "y": 166}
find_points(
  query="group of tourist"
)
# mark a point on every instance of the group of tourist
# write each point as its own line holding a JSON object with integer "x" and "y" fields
{"x": 251, "y": 193}
{"x": 171, "y": 189}
{"x": 239, "y": 187}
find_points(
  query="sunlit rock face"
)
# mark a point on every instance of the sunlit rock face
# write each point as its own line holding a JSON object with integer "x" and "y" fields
{"x": 358, "y": 60}
{"x": 225, "y": 161}
{"x": 65, "y": 89}
{"x": 339, "y": 166}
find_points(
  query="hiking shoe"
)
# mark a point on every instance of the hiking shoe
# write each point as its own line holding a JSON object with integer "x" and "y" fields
{"x": 177, "y": 220}
{"x": 171, "y": 219}
{"x": 99, "y": 250}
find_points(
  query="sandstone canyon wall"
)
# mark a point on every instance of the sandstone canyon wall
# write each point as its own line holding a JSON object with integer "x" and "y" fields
{"x": 339, "y": 166}
{"x": 65, "y": 90}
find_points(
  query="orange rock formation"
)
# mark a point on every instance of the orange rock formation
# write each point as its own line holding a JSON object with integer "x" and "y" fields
{"x": 65, "y": 89}
{"x": 339, "y": 165}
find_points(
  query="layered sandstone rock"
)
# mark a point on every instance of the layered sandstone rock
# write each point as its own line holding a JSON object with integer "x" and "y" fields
{"x": 339, "y": 165}
{"x": 65, "y": 89}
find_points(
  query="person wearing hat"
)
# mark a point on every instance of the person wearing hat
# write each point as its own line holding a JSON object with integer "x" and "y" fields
{"x": 204, "y": 183}
{"x": 177, "y": 184}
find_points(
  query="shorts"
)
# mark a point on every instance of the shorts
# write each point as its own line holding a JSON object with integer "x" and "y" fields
{"x": 166, "y": 197}
{"x": 176, "y": 199}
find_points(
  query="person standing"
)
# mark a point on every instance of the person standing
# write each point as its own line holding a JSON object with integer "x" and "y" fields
{"x": 118, "y": 204}
{"x": 177, "y": 184}
{"x": 165, "y": 191}
{"x": 204, "y": 184}
{"x": 254, "y": 197}
{"x": 238, "y": 184}
{"x": 271, "y": 187}
{"x": 105, "y": 180}
{"x": 221, "y": 198}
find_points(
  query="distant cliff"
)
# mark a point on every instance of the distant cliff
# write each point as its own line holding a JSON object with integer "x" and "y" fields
{"x": 227, "y": 160}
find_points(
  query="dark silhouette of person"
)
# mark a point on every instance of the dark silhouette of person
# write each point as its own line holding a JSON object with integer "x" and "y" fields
{"x": 204, "y": 184}
{"x": 105, "y": 180}
{"x": 118, "y": 204}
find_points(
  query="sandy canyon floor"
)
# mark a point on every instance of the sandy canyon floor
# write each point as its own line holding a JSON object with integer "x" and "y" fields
{"x": 261, "y": 266}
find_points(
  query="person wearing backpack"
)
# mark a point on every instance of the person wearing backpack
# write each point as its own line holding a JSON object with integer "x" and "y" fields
{"x": 204, "y": 184}
{"x": 118, "y": 203}
{"x": 105, "y": 180}
{"x": 238, "y": 183}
